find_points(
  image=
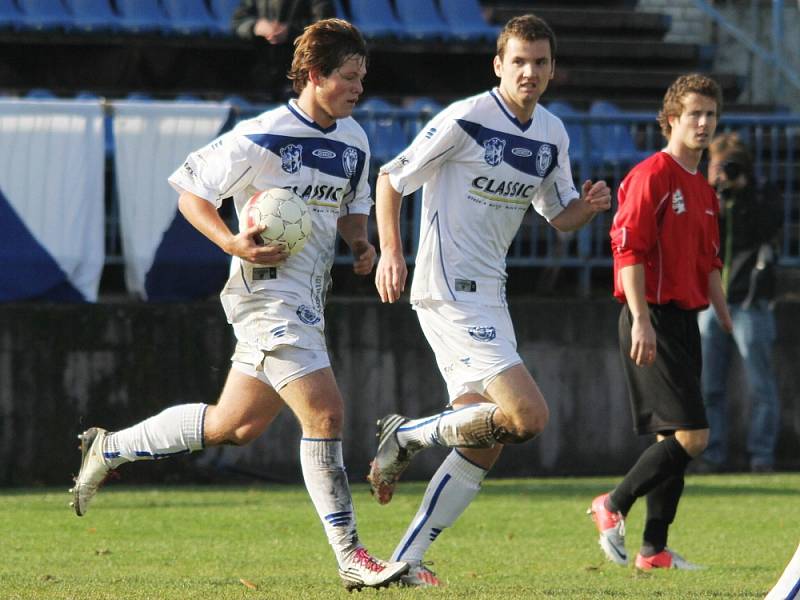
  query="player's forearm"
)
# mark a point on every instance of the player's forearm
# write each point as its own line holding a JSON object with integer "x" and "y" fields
{"x": 574, "y": 216}
{"x": 387, "y": 213}
{"x": 204, "y": 217}
{"x": 352, "y": 228}
{"x": 632, "y": 277}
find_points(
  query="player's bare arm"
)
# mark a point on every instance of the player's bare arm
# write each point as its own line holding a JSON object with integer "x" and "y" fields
{"x": 643, "y": 336}
{"x": 595, "y": 198}
{"x": 204, "y": 217}
{"x": 716, "y": 295}
{"x": 390, "y": 277}
{"x": 353, "y": 229}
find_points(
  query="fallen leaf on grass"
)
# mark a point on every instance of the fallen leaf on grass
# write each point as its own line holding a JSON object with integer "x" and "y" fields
{"x": 102, "y": 551}
{"x": 248, "y": 584}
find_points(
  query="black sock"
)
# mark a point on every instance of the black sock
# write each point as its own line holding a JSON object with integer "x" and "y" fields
{"x": 659, "y": 462}
{"x": 662, "y": 504}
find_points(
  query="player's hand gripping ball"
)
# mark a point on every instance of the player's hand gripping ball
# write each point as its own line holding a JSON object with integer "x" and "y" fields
{"x": 283, "y": 214}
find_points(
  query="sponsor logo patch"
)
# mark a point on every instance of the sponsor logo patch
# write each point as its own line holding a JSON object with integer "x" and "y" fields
{"x": 522, "y": 152}
{"x": 308, "y": 315}
{"x": 482, "y": 333}
{"x": 323, "y": 153}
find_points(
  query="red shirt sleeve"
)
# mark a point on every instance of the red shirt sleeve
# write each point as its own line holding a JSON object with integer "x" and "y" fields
{"x": 634, "y": 232}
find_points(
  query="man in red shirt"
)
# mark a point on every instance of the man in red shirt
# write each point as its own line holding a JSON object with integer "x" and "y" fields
{"x": 665, "y": 242}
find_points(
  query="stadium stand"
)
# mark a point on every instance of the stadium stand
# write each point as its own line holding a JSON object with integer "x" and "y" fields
{"x": 376, "y": 19}
{"x": 422, "y": 20}
{"x": 142, "y": 16}
{"x": 47, "y": 14}
{"x": 222, "y": 10}
{"x": 190, "y": 17}
{"x": 10, "y": 15}
{"x": 93, "y": 15}
{"x": 466, "y": 21}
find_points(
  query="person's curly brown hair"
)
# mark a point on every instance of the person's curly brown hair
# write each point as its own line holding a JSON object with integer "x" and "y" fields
{"x": 324, "y": 46}
{"x": 683, "y": 85}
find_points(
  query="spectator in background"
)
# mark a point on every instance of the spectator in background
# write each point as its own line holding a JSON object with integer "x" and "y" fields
{"x": 278, "y": 21}
{"x": 750, "y": 217}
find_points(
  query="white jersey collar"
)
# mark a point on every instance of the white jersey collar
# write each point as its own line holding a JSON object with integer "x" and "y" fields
{"x": 298, "y": 112}
{"x": 495, "y": 92}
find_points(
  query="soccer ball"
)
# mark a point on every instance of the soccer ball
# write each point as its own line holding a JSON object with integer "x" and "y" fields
{"x": 284, "y": 214}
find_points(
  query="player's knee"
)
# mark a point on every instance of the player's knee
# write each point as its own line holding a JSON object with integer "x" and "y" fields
{"x": 325, "y": 424}
{"x": 693, "y": 442}
{"x": 522, "y": 427}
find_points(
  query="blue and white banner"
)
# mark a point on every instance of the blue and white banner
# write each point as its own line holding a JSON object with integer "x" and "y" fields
{"x": 51, "y": 199}
{"x": 165, "y": 257}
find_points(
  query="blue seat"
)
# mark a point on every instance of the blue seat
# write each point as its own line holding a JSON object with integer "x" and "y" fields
{"x": 563, "y": 110}
{"x": 190, "y": 17}
{"x": 139, "y": 97}
{"x": 188, "y": 98}
{"x": 375, "y": 19}
{"x": 93, "y": 15}
{"x": 40, "y": 94}
{"x": 466, "y": 21}
{"x": 426, "y": 109}
{"x": 46, "y": 14}
{"x": 338, "y": 10}
{"x": 385, "y": 131}
{"x": 142, "y": 16}
{"x": 422, "y": 20}
{"x": 613, "y": 141}
{"x": 222, "y": 11}
{"x": 11, "y": 16}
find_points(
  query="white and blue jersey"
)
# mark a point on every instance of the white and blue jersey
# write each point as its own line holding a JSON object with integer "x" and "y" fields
{"x": 481, "y": 169}
{"x": 326, "y": 167}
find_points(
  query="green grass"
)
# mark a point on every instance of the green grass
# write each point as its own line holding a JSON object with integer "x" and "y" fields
{"x": 520, "y": 539}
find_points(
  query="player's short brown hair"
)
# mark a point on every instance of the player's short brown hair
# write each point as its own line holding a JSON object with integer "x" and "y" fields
{"x": 324, "y": 46}
{"x": 528, "y": 28}
{"x": 694, "y": 83}
{"x": 729, "y": 147}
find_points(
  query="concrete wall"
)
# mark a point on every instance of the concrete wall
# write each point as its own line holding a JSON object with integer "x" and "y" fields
{"x": 64, "y": 368}
{"x": 689, "y": 23}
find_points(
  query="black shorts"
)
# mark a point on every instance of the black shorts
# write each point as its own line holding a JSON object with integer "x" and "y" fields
{"x": 665, "y": 396}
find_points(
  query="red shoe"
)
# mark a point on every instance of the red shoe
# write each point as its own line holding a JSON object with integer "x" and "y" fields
{"x": 666, "y": 559}
{"x": 611, "y": 526}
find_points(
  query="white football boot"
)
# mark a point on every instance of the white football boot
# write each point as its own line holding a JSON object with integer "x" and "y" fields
{"x": 363, "y": 570}
{"x": 94, "y": 469}
{"x": 390, "y": 460}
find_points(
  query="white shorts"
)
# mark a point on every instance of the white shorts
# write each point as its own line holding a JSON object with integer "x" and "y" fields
{"x": 473, "y": 343}
{"x": 279, "y": 366}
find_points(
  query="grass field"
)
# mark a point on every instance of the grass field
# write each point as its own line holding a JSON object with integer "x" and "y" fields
{"x": 520, "y": 539}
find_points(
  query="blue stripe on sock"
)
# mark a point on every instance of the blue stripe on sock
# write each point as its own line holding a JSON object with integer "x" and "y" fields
{"x": 794, "y": 591}
{"x": 413, "y": 427}
{"x": 305, "y": 439}
{"x": 428, "y": 513}
{"x": 203, "y": 428}
{"x": 474, "y": 464}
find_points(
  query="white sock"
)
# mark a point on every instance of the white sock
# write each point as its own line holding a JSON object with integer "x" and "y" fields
{"x": 467, "y": 427}
{"x": 326, "y": 482}
{"x": 451, "y": 489}
{"x": 788, "y": 586}
{"x": 176, "y": 430}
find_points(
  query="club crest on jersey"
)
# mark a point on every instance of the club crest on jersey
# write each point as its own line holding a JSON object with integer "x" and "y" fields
{"x": 482, "y": 333}
{"x": 543, "y": 159}
{"x": 350, "y": 161}
{"x": 291, "y": 158}
{"x": 678, "y": 205}
{"x": 493, "y": 151}
{"x": 307, "y": 315}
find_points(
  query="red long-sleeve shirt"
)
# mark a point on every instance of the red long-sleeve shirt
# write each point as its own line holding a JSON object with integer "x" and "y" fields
{"x": 667, "y": 220}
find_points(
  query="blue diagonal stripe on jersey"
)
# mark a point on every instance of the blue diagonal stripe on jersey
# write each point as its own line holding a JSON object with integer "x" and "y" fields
{"x": 526, "y": 164}
{"x": 330, "y": 166}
